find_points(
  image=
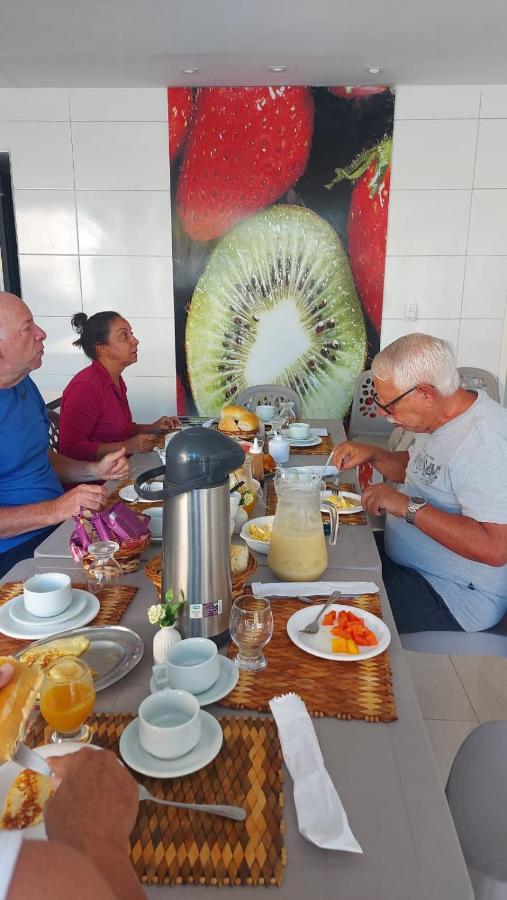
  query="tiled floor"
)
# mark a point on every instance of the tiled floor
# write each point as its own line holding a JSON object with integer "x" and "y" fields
{"x": 456, "y": 694}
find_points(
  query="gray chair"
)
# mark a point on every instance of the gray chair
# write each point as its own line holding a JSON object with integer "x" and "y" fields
{"x": 365, "y": 423}
{"x": 273, "y": 394}
{"x": 477, "y": 796}
{"x": 471, "y": 379}
{"x": 54, "y": 422}
{"x": 492, "y": 642}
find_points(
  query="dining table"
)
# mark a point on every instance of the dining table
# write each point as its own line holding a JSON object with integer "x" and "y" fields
{"x": 384, "y": 772}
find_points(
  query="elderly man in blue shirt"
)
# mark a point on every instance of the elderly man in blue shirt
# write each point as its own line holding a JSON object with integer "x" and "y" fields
{"x": 444, "y": 552}
{"x": 32, "y": 499}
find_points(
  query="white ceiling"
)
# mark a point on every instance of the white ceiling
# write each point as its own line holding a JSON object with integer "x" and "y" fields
{"x": 92, "y": 43}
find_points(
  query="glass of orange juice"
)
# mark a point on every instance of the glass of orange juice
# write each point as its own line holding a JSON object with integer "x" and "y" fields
{"x": 67, "y": 698}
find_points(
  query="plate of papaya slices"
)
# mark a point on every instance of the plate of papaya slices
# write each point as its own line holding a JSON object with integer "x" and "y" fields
{"x": 345, "y": 633}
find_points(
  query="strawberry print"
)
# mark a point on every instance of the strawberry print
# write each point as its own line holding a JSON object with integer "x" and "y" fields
{"x": 180, "y": 102}
{"x": 367, "y": 224}
{"x": 358, "y": 92}
{"x": 246, "y": 147}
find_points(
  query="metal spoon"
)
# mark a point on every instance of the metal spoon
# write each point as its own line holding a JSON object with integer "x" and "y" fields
{"x": 227, "y": 812}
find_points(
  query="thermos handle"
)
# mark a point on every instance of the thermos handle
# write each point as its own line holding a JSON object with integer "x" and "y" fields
{"x": 170, "y": 489}
{"x": 335, "y": 521}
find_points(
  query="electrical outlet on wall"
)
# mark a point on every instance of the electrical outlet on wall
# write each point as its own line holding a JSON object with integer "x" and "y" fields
{"x": 411, "y": 312}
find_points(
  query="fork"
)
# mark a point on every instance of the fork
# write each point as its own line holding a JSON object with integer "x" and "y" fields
{"x": 227, "y": 812}
{"x": 313, "y": 627}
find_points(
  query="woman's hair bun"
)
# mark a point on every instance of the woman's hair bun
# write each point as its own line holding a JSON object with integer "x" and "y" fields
{"x": 78, "y": 322}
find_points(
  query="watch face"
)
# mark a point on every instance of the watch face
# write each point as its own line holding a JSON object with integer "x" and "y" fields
{"x": 417, "y": 500}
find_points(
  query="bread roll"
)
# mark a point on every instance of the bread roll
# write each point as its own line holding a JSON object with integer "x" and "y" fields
{"x": 238, "y": 420}
{"x": 239, "y": 558}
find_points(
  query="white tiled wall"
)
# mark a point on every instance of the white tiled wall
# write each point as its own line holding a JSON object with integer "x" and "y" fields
{"x": 91, "y": 179}
{"x": 447, "y": 235}
{"x": 92, "y": 198}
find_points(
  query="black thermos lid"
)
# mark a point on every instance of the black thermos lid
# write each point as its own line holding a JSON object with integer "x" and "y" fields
{"x": 196, "y": 458}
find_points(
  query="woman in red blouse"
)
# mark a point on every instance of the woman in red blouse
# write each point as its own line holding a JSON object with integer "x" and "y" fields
{"x": 95, "y": 416}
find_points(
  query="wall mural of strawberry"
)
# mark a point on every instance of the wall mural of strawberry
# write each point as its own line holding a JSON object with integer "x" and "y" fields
{"x": 281, "y": 296}
{"x": 367, "y": 224}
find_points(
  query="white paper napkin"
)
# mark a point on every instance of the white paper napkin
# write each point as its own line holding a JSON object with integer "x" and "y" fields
{"x": 312, "y": 588}
{"x": 319, "y": 432}
{"x": 320, "y": 813}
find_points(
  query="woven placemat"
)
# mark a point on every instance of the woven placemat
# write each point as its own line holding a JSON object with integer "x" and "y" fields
{"x": 345, "y": 690}
{"x": 174, "y": 846}
{"x": 114, "y": 602}
{"x": 350, "y": 519}
{"x": 322, "y": 449}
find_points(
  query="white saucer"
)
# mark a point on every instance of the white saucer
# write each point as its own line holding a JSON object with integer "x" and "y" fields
{"x": 312, "y": 441}
{"x": 9, "y": 771}
{"x": 130, "y": 494}
{"x": 203, "y": 753}
{"x": 30, "y": 632}
{"x": 21, "y": 615}
{"x": 227, "y": 680}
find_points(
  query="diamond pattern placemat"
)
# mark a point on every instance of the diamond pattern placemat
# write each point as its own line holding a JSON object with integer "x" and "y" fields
{"x": 350, "y": 519}
{"x": 114, "y": 602}
{"x": 175, "y": 846}
{"x": 360, "y": 689}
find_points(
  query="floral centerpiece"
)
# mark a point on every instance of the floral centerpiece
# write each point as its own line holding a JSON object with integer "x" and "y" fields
{"x": 165, "y": 614}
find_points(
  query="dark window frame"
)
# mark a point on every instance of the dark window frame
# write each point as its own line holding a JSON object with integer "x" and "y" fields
{"x": 8, "y": 241}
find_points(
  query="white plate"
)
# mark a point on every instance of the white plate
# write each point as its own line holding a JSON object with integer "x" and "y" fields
{"x": 313, "y": 441}
{"x": 227, "y": 680}
{"x": 203, "y": 753}
{"x": 21, "y": 615}
{"x": 9, "y": 771}
{"x": 320, "y": 644}
{"x": 258, "y": 546}
{"x": 14, "y": 629}
{"x": 130, "y": 494}
{"x": 324, "y": 495}
{"x": 323, "y": 471}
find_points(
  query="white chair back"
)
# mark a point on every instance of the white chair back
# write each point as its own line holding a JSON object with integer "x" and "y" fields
{"x": 364, "y": 418}
{"x": 471, "y": 379}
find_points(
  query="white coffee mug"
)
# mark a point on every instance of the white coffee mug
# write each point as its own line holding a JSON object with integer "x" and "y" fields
{"x": 192, "y": 665}
{"x": 265, "y": 411}
{"x": 47, "y": 594}
{"x": 169, "y": 723}
{"x": 299, "y": 431}
{"x": 155, "y": 513}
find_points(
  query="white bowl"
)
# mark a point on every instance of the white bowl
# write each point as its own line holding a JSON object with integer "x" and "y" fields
{"x": 258, "y": 546}
{"x": 47, "y": 594}
{"x": 155, "y": 514}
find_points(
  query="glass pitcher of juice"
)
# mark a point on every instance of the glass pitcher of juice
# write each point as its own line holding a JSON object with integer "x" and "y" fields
{"x": 298, "y": 551}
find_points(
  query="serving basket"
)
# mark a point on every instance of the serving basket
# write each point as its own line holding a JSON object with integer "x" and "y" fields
{"x": 128, "y": 557}
{"x": 153, "y": 570}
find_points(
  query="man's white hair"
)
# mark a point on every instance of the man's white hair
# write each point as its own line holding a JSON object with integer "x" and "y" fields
{"x": 418, "y": 359}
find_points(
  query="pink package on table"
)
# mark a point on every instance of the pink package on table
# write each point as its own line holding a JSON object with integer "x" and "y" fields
{"x": 124, "y": 522}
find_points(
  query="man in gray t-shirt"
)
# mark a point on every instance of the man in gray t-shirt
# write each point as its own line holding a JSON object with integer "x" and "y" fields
{"x": 445, "y": 563}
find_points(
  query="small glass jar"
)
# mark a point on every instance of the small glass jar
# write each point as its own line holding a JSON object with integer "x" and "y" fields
{"x": 287, "y": 415}
{"x": 104, "y": 570}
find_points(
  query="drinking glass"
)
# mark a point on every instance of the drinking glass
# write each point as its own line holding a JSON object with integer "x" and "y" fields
{"x": 67, "y": 698}
{"x": 251, "y": 628}
{"x": 104, "y": 570}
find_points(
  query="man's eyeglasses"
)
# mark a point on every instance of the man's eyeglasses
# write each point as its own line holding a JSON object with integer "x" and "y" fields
{"x": 387, "y": 406}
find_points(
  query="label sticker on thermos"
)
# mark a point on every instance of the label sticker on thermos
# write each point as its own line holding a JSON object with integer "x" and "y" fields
{"x": 205, "y": 610}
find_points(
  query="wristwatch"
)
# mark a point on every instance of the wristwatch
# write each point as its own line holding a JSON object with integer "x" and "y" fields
{"x": 414, "y": 504}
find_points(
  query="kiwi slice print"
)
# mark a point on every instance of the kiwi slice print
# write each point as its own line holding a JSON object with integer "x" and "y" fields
{"x": 276, "y": 304}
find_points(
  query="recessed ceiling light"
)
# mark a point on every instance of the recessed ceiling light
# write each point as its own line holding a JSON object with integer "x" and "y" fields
{"x": 374, "y": 70}
{"x": 189, "y": 71}
{"x": 278, "y": 68}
